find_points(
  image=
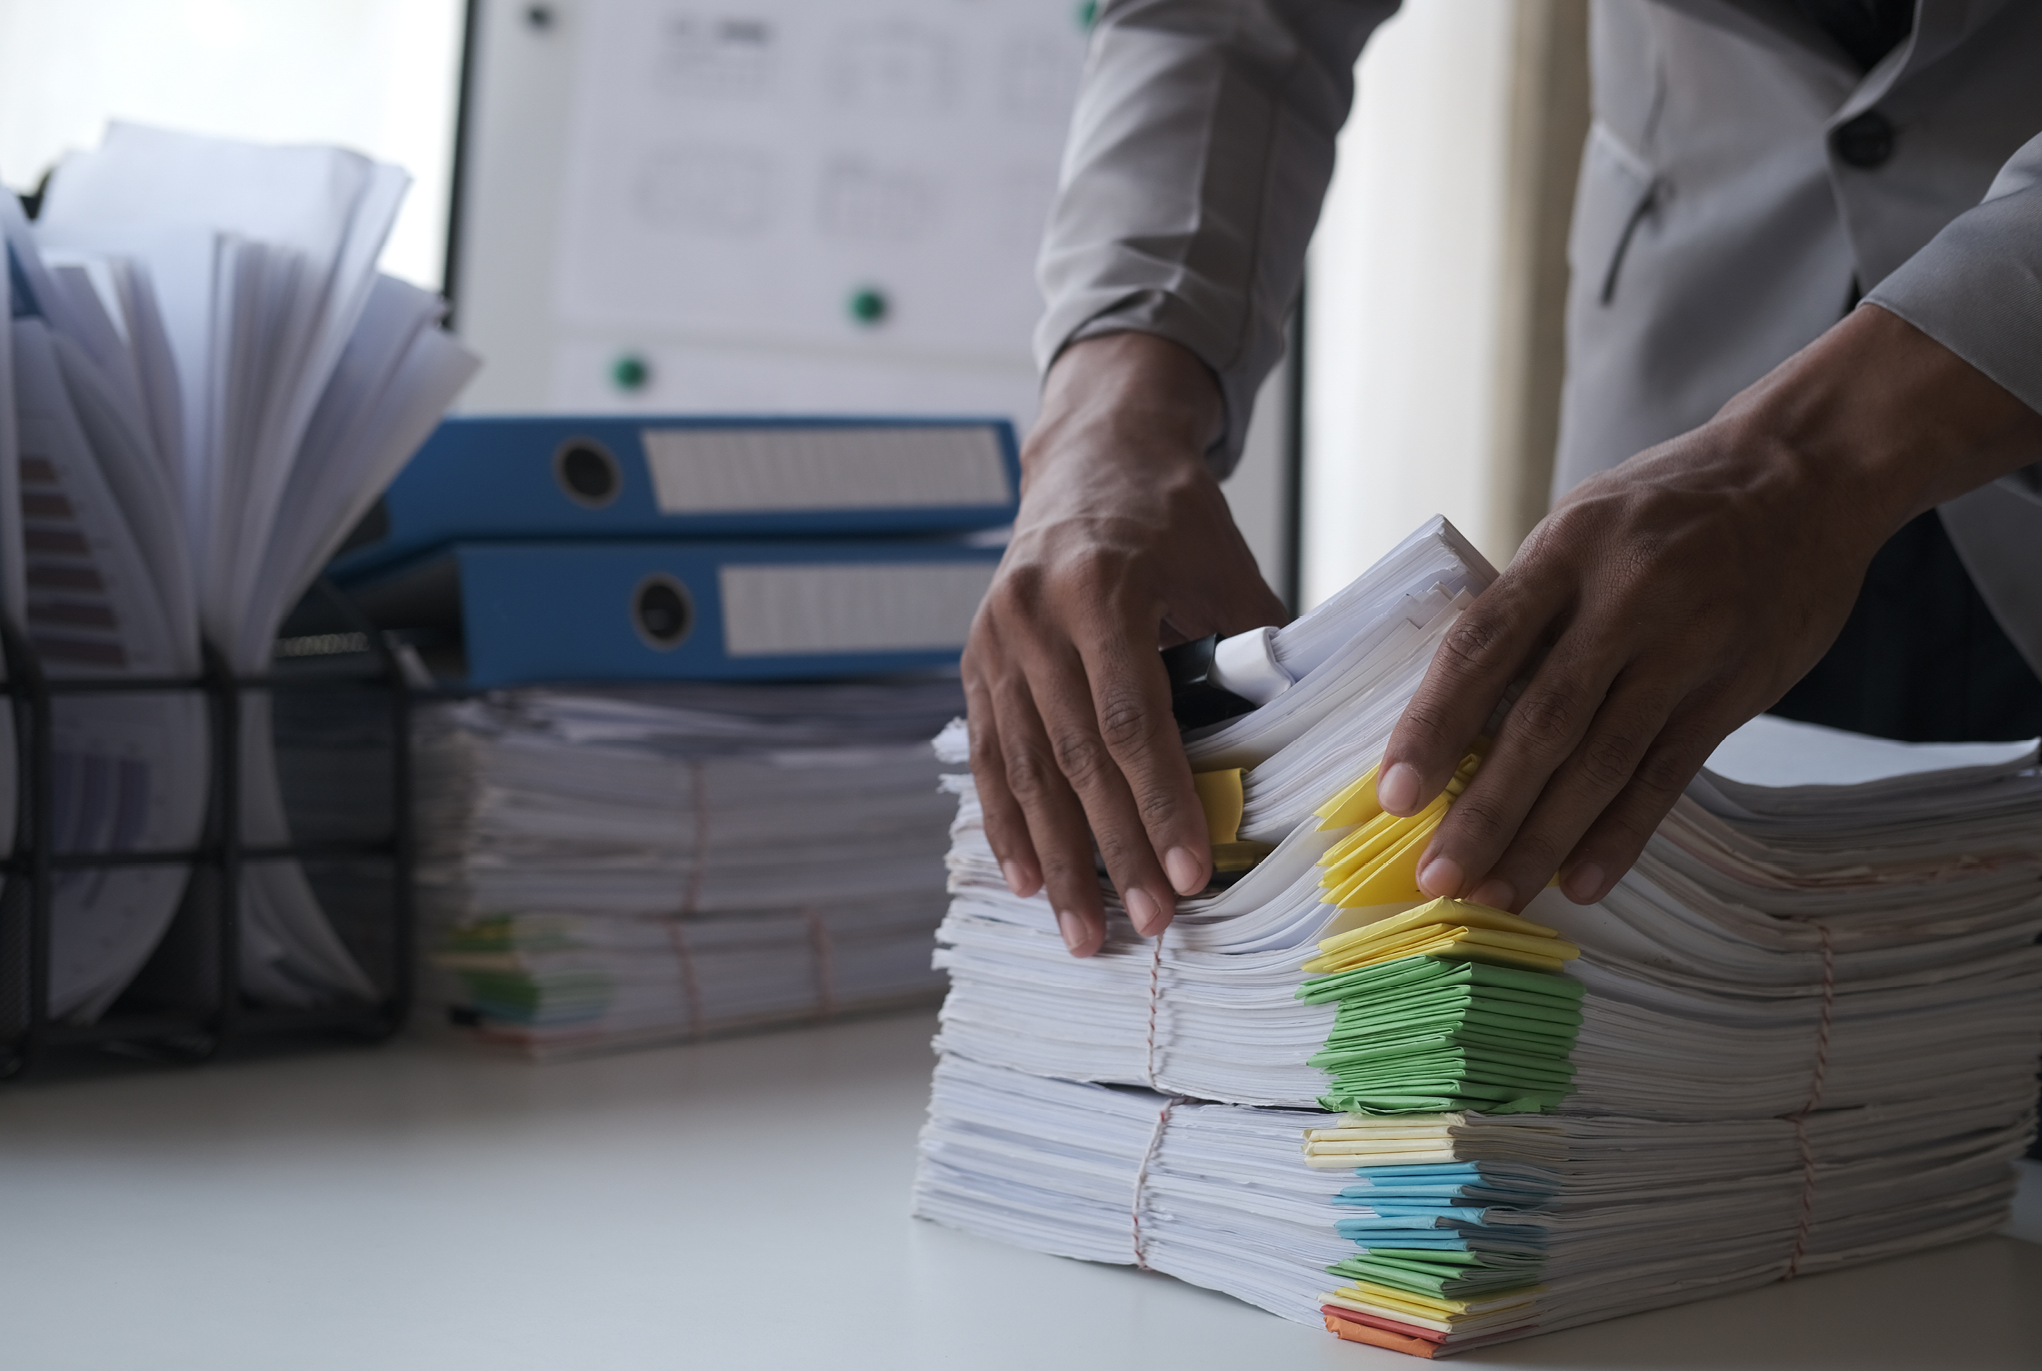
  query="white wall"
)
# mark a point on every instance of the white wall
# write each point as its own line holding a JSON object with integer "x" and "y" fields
{"x": 1258, "y": 492}
{"x": 379, "y": 76}
{"x": 1407, "y": 294}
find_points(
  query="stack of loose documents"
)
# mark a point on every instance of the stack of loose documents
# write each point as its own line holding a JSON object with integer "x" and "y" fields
{"x": 1801, "y": 1033}
{"x": 204, "y": 383}
{"x": 609, "y": 868}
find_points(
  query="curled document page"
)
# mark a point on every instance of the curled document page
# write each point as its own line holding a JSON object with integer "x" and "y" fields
{"x": 1800, "y": 1034}
{"x": 211, "y": 383}
{"x": 106, "y": 578}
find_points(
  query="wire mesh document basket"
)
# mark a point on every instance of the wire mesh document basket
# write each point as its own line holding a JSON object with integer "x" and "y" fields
{"x": 341, "y": 714}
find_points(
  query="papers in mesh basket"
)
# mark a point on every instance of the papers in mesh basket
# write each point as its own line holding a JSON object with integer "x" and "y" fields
{"x": 210, "y": 383}
{"x": 1802, "y": 1031}
{"x": 602, "y": 869}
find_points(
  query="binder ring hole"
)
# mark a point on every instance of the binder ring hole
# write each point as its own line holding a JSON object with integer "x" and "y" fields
{"x": 662, "y": 612}
{"x": 587, "y": 472}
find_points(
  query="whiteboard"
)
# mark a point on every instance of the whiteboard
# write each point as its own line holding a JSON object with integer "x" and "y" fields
{"x": 706, "y": 187}
{"x": 760, "y": 205}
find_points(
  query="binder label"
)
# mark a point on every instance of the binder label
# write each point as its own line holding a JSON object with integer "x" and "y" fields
{"x": 849, "y": 607}
{"x": 744, "y": 470}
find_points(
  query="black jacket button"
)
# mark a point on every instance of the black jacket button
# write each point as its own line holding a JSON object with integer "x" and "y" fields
{"x": 1865, "y": 142}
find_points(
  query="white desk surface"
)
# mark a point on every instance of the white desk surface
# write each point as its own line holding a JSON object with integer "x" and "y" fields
{"x": 427, "y": 1206}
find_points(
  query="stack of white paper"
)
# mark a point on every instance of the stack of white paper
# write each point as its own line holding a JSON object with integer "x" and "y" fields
{"x": 1703, "y": 955}
{"x": 603, "y": 869}
{"x": 1522, "y": 1223}
{"x": 1802, "y": 1032}
{"x": 210, "y": 384}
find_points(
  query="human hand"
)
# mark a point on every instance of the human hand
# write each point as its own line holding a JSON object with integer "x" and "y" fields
{"x": 1123, "y": 544}
{"x": 1668, "y": 600}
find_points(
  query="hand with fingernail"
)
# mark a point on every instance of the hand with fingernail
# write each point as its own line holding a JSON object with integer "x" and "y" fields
{"x": 1123, "y": 544}
{"x": 1668, "y": 600}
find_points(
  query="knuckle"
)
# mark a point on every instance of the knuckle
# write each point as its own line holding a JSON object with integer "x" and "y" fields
{"x": 1124, "y": 719}
{"x": 1028, "y": 774}
{"x": 1475, "y": 817}
{"x": 1566, "y": 527}
{"x": 1081, "y": 757}
{"x": 1421, "y": 716}
{"x": 1157, "y": 807}
{"x": 985, "y": 749}
{"x": 1545, "y": 716}
{"x": 1015, "y": 593}
{"x": 1089, "y": 571}
{"x": 1472, "y": 640}
{"x": 988, "y": 768}
{"x": 1662, "y": 774}
{"x": 1607, "y": 761}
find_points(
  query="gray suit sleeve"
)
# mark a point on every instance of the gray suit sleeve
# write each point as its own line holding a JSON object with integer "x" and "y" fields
{"x": 1199, "y": 153}
{"x": 1977, "y": 288}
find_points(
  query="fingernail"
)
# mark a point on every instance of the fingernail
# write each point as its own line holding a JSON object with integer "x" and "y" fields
{"x": 1143, "y": 911}
{"x": 1442, "y": 876}
{"x": 1583, "y": 883}
{"x": 1397, "y": 788}
{"x": 1495, "y": 894}
{"x": 1187, "y": 873}
{"x": 1017, "y": 879}
{"x": 1076, "y": 934}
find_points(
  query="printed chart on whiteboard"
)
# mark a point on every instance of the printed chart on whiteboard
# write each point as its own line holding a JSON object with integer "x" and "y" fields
{"x": 775, "y": 204}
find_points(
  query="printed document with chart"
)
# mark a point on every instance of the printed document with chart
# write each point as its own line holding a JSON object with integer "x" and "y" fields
{"x": 211, "y": 383}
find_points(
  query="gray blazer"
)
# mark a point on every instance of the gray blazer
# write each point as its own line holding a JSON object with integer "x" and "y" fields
{"x": 1720, "y": 221}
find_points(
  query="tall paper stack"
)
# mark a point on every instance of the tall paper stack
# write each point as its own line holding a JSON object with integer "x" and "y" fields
{"x": 1801, "y": 1033}
{"x": 605, "y": 869}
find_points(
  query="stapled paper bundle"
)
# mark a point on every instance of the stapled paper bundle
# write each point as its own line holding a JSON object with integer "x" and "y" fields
{"x": 605, "y": 869}
{"x": 1801, "y": 1033}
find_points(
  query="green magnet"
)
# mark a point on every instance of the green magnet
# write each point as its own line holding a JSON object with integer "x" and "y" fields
{"x": 1087, "y": 14}
{"x": 630, "y": 372}
{"x": 869, "y": 306}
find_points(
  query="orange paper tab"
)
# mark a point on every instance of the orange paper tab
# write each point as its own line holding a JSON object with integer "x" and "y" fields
{"x": 1348, "y": 1326}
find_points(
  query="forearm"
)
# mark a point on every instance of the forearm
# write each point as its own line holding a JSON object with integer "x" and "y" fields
{"x": 1199, "y": 152}
{"x": 1121, "y": 400}
{"x": 1881, "y": 422}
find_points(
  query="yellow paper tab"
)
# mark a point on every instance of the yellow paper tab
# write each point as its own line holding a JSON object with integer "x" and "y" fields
{"x": 1219, "y": 795}
{"x": 1230, "y": 859}
{"x": 1392, "y": 877}
{"x": 1447, "y": 927}
{"x": 1356, "y": 804}
{"x": 1433, "y": 1306}
{"x": 1360, "y": 849}
{"x": 1474, "y": 944}
{"x": 1458, "y": 913}
{"x": 1381, "y": 1309}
